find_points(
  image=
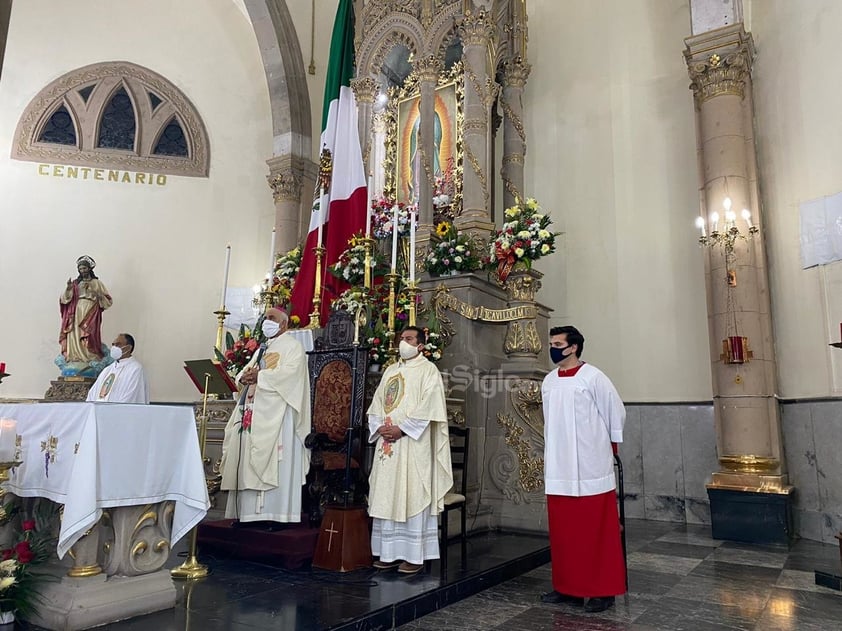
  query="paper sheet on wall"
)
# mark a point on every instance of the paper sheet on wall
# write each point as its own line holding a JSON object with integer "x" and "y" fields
{"x": 238, "y": 302}
{"x": 821, "y": 231}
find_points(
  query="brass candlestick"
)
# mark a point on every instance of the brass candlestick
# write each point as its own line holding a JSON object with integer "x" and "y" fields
{"x": 368, "y": 244}
{"x": 220, "y": 314}
{"x": 191, "y": 568}
{"x": 412, "y": 291}
{"x": 392, "y": 279}
{"x": 316, "y": 315}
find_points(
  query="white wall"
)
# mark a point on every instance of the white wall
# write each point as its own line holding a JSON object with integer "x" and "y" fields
{"x": 611, "y": 155}
{"x": 160, "y": 250}
{"x": 799, "y": 138}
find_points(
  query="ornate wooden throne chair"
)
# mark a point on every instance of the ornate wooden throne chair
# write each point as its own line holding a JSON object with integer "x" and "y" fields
{"x": 337, "y": 438}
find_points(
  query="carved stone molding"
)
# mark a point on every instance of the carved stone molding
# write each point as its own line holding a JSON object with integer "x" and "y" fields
{"x": 477, "y": 28}
{"x": 365, "y": 89}
{"x": 286, "y": 186}
{"x": 717, "y": 76}
{"x": 428, "y": 68}
{"x": 522, "y": 339}
{"x": 522, "y": 286}
{"x": 513, "y": 158}
{"x": 523, "y": 421}
{"x": 516, "y": 72}
{"x": 136, "y": 539}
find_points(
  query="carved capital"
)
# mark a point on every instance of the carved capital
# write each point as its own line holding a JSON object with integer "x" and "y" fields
{"x": 428, "y": 68}
{"x": 286, "y": 186}
{"x": 365, "y": 89}
{"x": 477, "y": 28}
{"x": 515, "y": 73}
{"x": 720, "y": 74}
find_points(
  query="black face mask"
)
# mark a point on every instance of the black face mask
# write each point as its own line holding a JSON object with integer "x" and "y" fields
{"x": 557, "y": 354}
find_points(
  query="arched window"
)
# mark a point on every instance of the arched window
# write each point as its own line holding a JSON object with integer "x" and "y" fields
{"x": 114, "y": 115}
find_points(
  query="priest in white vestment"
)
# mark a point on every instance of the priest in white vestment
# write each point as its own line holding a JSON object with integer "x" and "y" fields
{"x": 411, "y": 471}
{"x": 264, "y": 461}
{"x": 122, "y": 381}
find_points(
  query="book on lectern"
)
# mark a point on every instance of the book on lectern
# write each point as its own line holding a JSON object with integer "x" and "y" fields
{"x": 219, "y": 381}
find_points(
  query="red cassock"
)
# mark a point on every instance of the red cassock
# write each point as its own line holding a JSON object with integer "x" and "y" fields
{"x": 585, "y": 545}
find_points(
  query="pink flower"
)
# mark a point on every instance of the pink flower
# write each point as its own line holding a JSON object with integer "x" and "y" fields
{"x": 28, "y": 524}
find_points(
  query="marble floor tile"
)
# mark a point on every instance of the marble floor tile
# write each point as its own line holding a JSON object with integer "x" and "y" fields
{"x": 760, "y": 558}
{"x": 662, "y": 563}
{"x": 805, "y": 581}
{"x": 691, "y": 538}
{"x": 721, "y": 591}
{"x": 679, "y": 549}
{"x": 472, "y": 614}
{"x": 737, "y": 572}
{"x": 560, "y": 619}
{"x": 649, "y": 584}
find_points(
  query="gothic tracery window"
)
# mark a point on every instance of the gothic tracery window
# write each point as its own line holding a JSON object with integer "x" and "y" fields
{"x": 114, "y": 115}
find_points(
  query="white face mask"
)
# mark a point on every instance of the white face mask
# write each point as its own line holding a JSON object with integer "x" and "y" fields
{"x": 407, "y": 350}
{"x": 116, "y": 353}
{"x": 269, "y": 328}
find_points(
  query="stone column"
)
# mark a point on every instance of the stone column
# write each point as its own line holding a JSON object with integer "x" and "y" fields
{"x": 365, "y": 91}
{"x": 286, "y": 191}
{"x": 515, "y": 73}
{"x": 746, "y": 411}
{"x": 476, "y": 30}
{"x": 428, "y": 70}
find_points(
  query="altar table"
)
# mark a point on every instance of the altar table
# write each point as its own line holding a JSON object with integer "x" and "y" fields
{"x": 91, "y": 456}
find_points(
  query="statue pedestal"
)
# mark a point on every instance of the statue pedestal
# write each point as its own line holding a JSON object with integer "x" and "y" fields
{"x": 81, "y": 603}
{"x": 69, "y": 389}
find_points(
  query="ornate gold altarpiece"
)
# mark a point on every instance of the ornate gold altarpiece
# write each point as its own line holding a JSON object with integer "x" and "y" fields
{"x": 474, "y": 50}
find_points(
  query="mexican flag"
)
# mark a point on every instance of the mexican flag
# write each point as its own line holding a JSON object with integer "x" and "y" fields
{"x": 344, "y": 203}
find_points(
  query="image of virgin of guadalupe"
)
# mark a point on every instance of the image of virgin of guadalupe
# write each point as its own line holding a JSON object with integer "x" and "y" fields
{"x": 81, "y": 305}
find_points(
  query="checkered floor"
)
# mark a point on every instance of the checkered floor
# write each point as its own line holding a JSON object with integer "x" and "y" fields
{"x": 679, "y": 579}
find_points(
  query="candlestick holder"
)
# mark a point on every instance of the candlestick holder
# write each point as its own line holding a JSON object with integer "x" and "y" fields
{"x": 316, "y": 314}
{"x": 220, "y": 314}
{"x": 392, "y": 279}
{"x": 368, "y": 245}
{"x": 5, "y": 467}
{"x": 3, "y": 375}
{"x": 412, "y": 292}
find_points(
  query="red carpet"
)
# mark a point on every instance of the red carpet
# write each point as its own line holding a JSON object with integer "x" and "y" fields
{"x": 291, "y": 547}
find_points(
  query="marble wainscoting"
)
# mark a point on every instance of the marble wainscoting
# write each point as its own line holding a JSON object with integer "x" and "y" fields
{"x": 812, "y": 436}
{"x": 668, "y": 454}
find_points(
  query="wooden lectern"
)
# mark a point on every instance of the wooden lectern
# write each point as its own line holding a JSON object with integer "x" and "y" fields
{"x": 344, "y": 540}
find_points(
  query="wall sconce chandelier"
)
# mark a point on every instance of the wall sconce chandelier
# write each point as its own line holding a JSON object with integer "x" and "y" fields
{"x": 735, "y": 349}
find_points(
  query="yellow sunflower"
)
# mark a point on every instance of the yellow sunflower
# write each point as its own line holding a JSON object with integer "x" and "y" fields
{"x": 442, "y": 229}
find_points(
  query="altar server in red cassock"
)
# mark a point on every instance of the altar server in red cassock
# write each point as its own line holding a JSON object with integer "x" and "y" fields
{"x": 583, "y": 422}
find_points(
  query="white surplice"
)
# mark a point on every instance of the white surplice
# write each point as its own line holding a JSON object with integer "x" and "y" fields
{"x": 583, "y": 415}
{"x": 120, "y": 382}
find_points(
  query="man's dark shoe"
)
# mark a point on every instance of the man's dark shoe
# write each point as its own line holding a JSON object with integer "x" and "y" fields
{"x": 595, "y": 605}
{"x": 557, "y": 598}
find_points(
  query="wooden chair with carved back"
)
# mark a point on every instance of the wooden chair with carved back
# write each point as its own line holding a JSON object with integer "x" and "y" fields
{"x": 337, "y": 392}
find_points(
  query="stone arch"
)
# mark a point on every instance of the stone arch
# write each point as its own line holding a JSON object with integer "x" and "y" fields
{"x": 283, "y": 64}
{"x": 396, "y": 29}
{"x": 85, "y": 93}
{"x": 442, "y": 30}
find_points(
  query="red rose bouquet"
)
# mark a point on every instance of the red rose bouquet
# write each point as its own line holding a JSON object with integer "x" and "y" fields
{"x": 19, "y": 579}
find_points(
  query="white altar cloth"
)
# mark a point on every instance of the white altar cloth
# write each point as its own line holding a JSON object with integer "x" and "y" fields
{"x": 90, "y": 456}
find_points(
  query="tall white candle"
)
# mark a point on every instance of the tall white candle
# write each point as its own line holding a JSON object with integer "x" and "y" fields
{"x": 412, "y": 246}
{"x": 394, "y": 238}
{"x": 368, "y": 208}
{"x": 8, "y": 431}
{"x": 225, "y": 275}
{"x": 272, "y": 253}
{"x": 321, "y": 217}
